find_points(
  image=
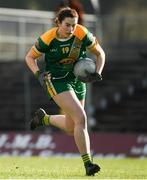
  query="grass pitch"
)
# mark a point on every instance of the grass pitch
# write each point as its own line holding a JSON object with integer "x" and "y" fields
{"x": 70, "y": 168}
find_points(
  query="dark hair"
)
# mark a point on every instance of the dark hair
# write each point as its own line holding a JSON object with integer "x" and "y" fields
{"x": 65, "y": 12}
{"x": 73, "y": 4}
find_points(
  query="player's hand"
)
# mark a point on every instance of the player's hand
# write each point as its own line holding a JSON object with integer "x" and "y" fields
{"x": 91, "y": 77}
{"x": 94, "y": 76}
{"x": 43, "y": 77}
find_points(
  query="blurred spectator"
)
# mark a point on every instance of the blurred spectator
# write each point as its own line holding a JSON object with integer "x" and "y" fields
{"x": 74, "y": 4}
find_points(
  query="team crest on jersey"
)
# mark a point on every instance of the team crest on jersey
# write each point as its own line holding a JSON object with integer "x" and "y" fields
{"x": 67, "y": 61}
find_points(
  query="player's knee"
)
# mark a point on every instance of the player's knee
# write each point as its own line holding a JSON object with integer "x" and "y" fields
{"x": 70, "y": 132}
{"x": 81, "y": 119}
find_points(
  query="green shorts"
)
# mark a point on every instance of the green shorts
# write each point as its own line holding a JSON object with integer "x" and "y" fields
{"x": 57, "y": 87}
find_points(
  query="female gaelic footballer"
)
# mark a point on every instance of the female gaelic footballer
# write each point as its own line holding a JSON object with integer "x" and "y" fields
{"x": 63, "y": 46}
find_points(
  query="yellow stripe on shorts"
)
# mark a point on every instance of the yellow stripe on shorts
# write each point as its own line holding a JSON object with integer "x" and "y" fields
{"x": 50, "y": 88}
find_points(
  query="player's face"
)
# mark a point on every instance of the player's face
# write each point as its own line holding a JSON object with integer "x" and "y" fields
{"x": 67, "y": 27}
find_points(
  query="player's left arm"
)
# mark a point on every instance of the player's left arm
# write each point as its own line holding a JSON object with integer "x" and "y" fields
{"x": 97, "y": 50}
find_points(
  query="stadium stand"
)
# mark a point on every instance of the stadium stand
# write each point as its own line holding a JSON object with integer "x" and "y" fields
{"x": 121, "y": 97}
{"x": 20, "y": 96}
{"x": 11, "y": 96}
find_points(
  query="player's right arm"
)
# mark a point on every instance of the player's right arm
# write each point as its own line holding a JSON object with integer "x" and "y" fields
{"x": 40, "y": 47}
{"x": 31, "y": 57}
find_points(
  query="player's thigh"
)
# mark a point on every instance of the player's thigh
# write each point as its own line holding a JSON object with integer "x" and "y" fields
{"x": 71, "y": 105}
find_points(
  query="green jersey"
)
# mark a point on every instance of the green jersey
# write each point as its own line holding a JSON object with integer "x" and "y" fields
{"x": 61, "y": 54}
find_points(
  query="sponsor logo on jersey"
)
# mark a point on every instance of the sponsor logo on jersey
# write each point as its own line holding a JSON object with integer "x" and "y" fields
{"x": 53, "y": 50}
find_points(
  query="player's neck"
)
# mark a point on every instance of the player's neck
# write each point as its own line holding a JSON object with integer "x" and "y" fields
{"x": 60, "y": 35}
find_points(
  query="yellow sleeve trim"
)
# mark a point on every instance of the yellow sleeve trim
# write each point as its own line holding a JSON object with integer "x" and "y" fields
{"x": 48, "y": 36}
{"x": 93, "y": 45}
{"x": 80, "y": 31}
{"x": 35, "y": 52}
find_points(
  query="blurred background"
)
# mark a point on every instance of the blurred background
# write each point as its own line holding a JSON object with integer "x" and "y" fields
{"x": 116, "y": 105}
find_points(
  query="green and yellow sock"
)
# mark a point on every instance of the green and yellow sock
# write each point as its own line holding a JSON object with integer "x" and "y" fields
{"x": 86, "y": 159}
{"x": 46, "y": 120}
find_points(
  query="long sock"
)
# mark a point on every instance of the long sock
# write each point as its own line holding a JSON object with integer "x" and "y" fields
{"x": 86, "y": 159}
{"x": 46, "y": 120}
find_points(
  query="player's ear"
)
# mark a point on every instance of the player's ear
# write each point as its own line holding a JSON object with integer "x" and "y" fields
{"x": 57, "y": 21}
